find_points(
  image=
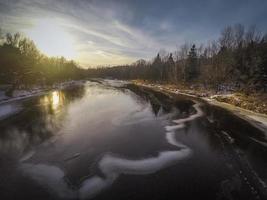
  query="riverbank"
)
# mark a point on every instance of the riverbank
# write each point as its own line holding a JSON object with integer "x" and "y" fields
{"x": 19, "y": 94}
{"x": 252, "y": 108}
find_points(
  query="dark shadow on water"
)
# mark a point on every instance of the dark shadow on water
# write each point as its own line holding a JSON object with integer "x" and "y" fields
{"x": 211, "y": 172}
{"x": 39, "y": 119}
{"x": 160, "y": 101}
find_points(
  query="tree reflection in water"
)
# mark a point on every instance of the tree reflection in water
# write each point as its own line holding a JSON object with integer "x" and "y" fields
{"x": 38, "y": 120}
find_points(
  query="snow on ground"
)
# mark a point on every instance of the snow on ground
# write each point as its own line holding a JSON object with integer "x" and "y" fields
{"x": 2, "y": 95}
{"x": 256, "y": 119}
{"x": 36, "y": 91}
{"x": 113, "y": 83}
{"x": 8, "y": 109}
{"x": 259, "y": 119}
{"x": 20, "y": 93}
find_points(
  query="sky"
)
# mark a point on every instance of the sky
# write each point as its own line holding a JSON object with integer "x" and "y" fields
{"x": 116, "y": 32}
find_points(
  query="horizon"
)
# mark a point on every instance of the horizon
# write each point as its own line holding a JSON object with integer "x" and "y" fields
{"x": 109, "y": 33}
{"x": 131, "y": 99}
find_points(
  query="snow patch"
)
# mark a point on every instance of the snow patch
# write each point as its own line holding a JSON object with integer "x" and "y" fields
{"x": 114, "y": 83}
{"x": 37, "y": 91}
{"x": 50, "y": 177}
{"x": 27, "y": 156}
{"x": 3, "y": 95}
{"x": 7, "y": 110}
{"x": 198, "y": 114}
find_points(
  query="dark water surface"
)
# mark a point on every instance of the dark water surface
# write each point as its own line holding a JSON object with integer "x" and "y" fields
{"x": 117, "y": 141}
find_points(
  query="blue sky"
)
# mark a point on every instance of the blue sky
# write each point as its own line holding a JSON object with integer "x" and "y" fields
{"x": 110, "y": 32}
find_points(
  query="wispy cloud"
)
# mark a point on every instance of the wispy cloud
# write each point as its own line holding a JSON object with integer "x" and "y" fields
{"x": 117, "y": 32}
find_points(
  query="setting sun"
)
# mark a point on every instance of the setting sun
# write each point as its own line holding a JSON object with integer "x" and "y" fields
{"x": 52, "y": 39}
{"x": 133, "y": 99}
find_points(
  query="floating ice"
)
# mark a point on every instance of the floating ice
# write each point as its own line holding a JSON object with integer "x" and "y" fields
{"x": 113, "y": 83}
{"x": 112, "y": 166}
{"x": 174, "y": 127}
{"x": 199, "y": 113}
{"x": 27, "y": 156}
{"x": 50, "y": 177}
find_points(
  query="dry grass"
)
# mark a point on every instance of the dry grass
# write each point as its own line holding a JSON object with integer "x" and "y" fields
{"x": 256, "y": 102}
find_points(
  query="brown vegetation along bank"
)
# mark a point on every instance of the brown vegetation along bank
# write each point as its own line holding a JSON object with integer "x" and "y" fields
{"x": 255, "y": 102}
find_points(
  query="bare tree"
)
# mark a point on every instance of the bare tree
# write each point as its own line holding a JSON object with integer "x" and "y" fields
{"x": 227, "y": 37}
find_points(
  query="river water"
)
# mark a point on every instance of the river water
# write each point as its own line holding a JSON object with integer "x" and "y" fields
{"x": 112, "y": 140}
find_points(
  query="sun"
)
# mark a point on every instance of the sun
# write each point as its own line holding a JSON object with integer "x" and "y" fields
{"x": 51, "y": 38}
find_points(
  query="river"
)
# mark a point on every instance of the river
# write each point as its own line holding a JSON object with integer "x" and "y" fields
{"x": 112, "y": 140}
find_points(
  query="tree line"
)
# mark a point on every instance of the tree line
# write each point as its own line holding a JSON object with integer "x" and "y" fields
{"x": 237, "y": 60}
{"x": 22, "y": 64}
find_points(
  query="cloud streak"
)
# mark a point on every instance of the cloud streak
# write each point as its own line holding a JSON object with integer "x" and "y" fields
{"x": 116, "y": 32}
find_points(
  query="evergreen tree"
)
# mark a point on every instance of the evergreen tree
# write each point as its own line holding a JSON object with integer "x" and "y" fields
{"x": 191, "y": 71}
{"x": 171, "y": 72}
{"x": 157, "y": 68}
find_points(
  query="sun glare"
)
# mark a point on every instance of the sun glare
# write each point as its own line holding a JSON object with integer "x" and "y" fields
{"x": 51, "y": 38}
{"x": 55, "y": 98}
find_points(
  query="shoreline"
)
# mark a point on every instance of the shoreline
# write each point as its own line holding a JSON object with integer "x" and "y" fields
{"x": 258, "y": 120}
{"x": 24, "y": 94}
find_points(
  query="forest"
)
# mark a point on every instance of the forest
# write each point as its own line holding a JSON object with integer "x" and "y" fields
{"x": 237, "y": 60}
{"x": 23, "y": 65}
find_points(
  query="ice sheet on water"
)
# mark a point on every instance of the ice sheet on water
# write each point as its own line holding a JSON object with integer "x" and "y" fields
{"x": 112, "y": 166}
{"x": 51, "y": 177}
{"x": 27, "y": 156}
{"x": 114, "y": 83}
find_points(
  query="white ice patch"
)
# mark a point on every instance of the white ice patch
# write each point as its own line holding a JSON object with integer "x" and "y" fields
{"x": 27, "y": 156}
{"x": 260, "y": 119}
{"x": 114, "y": 83}
{"x": 50, "y": 177}
{"x": 92, "y": 186}
{"x": 174, "y": 127}
{"x": 112, "y": 167}
{"x": 198, "y": 114}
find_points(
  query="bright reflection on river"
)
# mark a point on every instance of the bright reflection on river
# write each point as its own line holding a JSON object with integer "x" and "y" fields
{"x": 79, "y": 141}
{"x": 53, "y": 100}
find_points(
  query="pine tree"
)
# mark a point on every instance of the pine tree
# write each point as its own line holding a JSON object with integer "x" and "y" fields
{"x": 157, "y": 68}
{"x": 171, "y": 72}
{"x": 191, "y": 71}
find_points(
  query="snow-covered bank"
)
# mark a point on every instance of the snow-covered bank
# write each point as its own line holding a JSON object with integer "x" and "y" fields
{"x": 19, "y": 94}
{"x": 3, "y": 95}
{"x": 258, "y": 120}
{"x": 113, "y": 83}
{"x": 6, "y": 110}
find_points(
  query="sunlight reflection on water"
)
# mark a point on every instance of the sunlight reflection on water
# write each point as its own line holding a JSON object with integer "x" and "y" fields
{"x": 53, "y": 100}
